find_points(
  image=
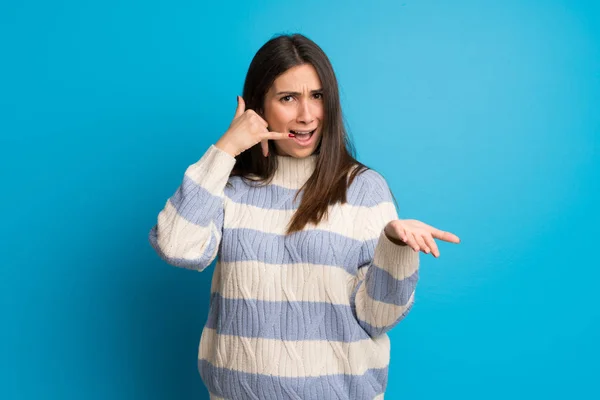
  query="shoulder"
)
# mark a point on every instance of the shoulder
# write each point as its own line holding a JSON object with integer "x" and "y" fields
{"x": 370, "y": 186}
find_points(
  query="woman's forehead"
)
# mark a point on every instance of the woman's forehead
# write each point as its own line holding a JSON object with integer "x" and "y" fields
{"x": 302, "y": 78}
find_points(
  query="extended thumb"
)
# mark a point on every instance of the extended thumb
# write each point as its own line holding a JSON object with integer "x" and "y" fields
{"x": 240, "y": 106}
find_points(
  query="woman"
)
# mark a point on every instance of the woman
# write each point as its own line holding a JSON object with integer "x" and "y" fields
{"x": 314, "y": 265}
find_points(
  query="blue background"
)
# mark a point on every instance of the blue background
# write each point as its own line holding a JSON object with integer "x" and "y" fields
{"x": 483, "y": 116}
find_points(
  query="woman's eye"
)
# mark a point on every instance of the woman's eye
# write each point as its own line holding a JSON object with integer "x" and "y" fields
{"x": 285, "y": 98}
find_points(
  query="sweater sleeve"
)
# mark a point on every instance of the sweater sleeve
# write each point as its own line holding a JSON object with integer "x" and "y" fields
{"x": 189, "y": 227}
{"x": 385, "y": 284}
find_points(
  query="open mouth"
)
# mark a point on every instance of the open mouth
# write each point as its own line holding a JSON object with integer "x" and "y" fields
{"x": 303, "y": 138}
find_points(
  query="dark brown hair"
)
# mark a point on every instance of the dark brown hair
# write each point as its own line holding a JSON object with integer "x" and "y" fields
{"x": 335, "y": 152}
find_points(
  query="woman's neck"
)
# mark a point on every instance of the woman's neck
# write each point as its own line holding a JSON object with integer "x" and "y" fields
{"x": 293, "y": 172}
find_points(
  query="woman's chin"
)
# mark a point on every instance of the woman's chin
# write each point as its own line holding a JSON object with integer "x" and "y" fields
{"x": 297, "y": 153}
{"x": 298, "y": 149}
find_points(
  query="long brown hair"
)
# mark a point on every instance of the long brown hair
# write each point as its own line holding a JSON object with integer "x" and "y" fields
{"x": 335, "y": 152}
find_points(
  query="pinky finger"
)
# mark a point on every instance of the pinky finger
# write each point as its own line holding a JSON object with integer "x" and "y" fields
{"x": 265, "y": 147}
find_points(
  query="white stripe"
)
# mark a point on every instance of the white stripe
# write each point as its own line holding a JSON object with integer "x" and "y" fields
{"x": 179, "y": 238}
{"x": 212, "y": 170}
{"x": 293, "y": 358}
{"x": 342, "y": 219}
{"x": 399, "y": 261}
{"x": 293, "y": 282}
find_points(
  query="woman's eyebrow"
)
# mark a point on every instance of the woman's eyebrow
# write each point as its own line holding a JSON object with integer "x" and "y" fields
{"x": 297, "y": 93}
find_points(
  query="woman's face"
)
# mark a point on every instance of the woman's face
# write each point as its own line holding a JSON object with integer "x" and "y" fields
{"x": 294, "y": 103}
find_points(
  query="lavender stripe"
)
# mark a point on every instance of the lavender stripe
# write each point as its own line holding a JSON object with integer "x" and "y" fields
{"x": 382, "y": 286}
{"x": 197, "y": 205}
{"x": 312, "y": 246}
{"x": 283, "y": 320}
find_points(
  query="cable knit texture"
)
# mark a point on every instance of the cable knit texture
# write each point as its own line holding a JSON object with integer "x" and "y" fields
{"x": 302, "y": 316}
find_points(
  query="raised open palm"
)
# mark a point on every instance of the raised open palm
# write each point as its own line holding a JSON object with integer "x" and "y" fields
{"x": 418, "y": 235}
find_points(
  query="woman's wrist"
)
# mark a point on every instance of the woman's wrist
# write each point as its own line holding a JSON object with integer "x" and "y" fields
{"x": 224, "y": 147}
{"x": 395, "y": 241}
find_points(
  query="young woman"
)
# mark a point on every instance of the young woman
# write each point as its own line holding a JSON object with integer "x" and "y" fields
{"x": 314, "y": 265}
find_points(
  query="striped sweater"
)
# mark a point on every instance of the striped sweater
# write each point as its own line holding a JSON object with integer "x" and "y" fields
{"x": 302, "y": 316}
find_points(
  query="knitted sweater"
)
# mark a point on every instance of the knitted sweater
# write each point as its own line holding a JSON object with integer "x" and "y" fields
{"x": 303, "y": 316}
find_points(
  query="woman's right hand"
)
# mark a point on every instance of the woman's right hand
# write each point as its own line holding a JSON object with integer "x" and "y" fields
{"x": 247, "y": 129}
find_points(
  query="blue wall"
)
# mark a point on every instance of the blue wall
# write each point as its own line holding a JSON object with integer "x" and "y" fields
{"x": 484, "y": 116}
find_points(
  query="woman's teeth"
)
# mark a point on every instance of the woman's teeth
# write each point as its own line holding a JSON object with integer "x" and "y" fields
{"x": 301, "y": 134}
{"x": 303, "y": 138}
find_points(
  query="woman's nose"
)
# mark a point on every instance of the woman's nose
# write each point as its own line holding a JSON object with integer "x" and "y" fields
{"x": 304, "y": 112}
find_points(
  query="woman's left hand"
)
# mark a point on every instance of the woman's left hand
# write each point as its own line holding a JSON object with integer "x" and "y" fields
{"x": 417, "y": 235}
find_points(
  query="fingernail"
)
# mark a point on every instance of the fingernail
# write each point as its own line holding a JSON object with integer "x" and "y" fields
{"x": 291, "y": 135}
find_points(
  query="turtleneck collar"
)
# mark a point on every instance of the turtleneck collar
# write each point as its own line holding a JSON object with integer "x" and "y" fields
{"x": 294, "y": 172}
